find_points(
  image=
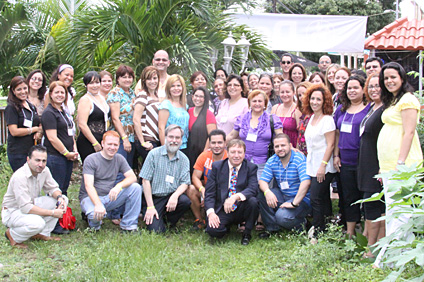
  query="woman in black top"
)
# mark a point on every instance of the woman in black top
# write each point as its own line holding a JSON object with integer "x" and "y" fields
{"x": 23, "y": 123}
{"x": 368, "y": 165}
{"x": 58, "y": 129}
{"x": 93, "y": 116}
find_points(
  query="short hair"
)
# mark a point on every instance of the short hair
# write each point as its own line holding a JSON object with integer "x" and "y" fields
{"x": 43, "y": 89}
{"x": 11, "y": 98}
{"x": 302, "y": 68}
{"x": 39, "y": 148}
{"x": 236, "y": 143}
{"x": 171, "y": 80}
{"x": 123, "y": 70}
{"x": 217, "y": 132}
{"x": 271, "y": 78}
{"x": 344, "y": 100}
{"x": 358, "y": 72}
{"x": 103, "y": 73}
{"x": 287, "y": 55}
{"x": 250, "y": 75}
{"x": 172, "y": 127}
{"x": 239, "y": 79}
{"x": 327, "y": 103}
{"x": 372, "y": 59}
{"x": 282, "y": 136}
{"x": 91, "y": 76}
{"x": 146, "y": 74}
{"x": 367, "y": 95}
{"x": 277, "y": 75}
{"x": 255, "y": 93}
{"x": 318, "y": 73}
{"x": 55, "y": 84}
{"x": 196, "y": 74}
{"x": 245, "y": 73}
{"x": 112, "y": 133}
{"x": 221, "y": 69}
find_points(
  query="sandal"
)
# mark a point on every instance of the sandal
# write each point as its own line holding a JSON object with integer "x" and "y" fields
{"x": 260, "y": 226}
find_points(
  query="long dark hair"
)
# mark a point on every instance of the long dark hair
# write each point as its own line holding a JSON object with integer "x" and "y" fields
{"x": 344, "y": 100}
{"x": 43, "y": 89}
{"x": 55, "y": 77}
{"x": 205, "y": 106}
{"x": 11, "y": 97}
{"x": 387, "y": 97}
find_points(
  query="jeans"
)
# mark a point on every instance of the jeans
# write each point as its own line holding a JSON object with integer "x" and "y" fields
{"x": 129, "y": 197}
{"x": 277, "y": 218}
{"x": 16, "y": 161}
{"x": 61, "y": 170}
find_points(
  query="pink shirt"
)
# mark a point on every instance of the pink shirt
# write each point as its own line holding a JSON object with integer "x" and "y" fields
{"x": 227, "y": 115}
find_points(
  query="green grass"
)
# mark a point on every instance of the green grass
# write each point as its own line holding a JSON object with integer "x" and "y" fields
{"x": 186, "y": 256}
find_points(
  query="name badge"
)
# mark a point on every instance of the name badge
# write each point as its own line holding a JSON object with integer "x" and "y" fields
{"x": 169, "y": 179}
{"x": 224, "y": 119}
{"x": 252, "y": 137}
{"x": 28, "y": 123}
{"x": 70, "y": 132}
{"x": 284, "y": 185}
{"x": 346, "y": 127}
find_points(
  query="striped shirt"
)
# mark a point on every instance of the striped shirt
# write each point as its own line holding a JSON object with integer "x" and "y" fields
{"x": 294, "y": 174}
{"x": 150, "y": 116}
{"x": 165, "y": 175}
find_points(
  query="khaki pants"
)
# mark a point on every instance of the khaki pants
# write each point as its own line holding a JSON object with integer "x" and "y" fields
{"x": 24, "y": 226}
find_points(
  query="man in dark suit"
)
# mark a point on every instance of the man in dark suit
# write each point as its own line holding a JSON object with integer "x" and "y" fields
{"x": 230, "y": 193}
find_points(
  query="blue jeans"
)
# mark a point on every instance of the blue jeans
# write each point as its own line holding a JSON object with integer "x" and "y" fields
{"x": 129, "y": 156}
{"x": 16, "y": 161}
{"x": 277, "y": 218}
{"x": 129, "y": 197}
{"x": 61, "y": 169}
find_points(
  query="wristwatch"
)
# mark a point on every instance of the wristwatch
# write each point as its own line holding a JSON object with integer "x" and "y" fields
{"x": 400, "y": 163}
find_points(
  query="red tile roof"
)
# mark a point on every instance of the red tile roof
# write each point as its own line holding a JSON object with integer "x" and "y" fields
{"x": 399, "y": 35}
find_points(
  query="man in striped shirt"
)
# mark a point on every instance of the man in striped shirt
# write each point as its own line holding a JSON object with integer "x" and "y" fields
{"x": 287, "y": 205}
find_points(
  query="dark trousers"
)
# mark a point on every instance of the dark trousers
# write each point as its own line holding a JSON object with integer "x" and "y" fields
{"x": 61, "y": 169}
{"x": 247, "y": 211}
{"x": 350, "y": 193}
{"x": 320, "y": 201}
{"x": 16, "y": 161}
{"x": 158, "y": 225}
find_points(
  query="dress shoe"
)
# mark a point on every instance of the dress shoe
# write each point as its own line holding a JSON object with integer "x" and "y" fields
{"x": 60, "y": 230}
{"x": 45, "y": 238}
{"x": 13, "y": 243}
{"x": 264, "y": 235}
{"x": 246, "y": 239}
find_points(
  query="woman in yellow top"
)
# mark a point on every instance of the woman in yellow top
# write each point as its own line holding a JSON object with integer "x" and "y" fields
{"x": 398, "y": 142}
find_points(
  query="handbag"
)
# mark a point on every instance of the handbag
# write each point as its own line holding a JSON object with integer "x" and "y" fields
{"x": 68, "y": 220}
{"x": 271, "y": 151}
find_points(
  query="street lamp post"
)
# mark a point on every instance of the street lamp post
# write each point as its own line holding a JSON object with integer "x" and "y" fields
{"x": 229, "y": 44}
{"x": 244, "y": 46}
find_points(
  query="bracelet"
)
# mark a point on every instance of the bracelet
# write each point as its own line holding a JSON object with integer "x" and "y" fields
{"x": 324, "y": 162}
{"x": 95, "y": 144}
{"x": 142, "y": 144}
{"x": 66, "y": 152}
{"x": 152, "y": 207}
{"x": 266, "y": 192}
{"x": 295, "y": 206}
{"x": 336, "y": 157}
{"x": 200, "y": 189}
{"x": 125, "y": 136}
{"x": 400, "y": 163}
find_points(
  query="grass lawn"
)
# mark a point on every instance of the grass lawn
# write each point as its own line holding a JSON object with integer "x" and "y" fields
{"x": 187, "y": 256}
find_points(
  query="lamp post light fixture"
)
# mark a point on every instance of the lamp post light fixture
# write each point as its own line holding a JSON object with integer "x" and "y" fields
{"x": 244, "y": 46}
{"x": 213, "y": 54}
{"x": 229, "y": 44}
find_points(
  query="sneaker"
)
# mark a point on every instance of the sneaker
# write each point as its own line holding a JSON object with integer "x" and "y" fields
{"x": 199, "y": 224}
{"x": 59, "y": 230}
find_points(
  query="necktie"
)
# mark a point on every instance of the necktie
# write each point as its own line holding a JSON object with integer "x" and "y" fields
{"x": 233, "y": 183}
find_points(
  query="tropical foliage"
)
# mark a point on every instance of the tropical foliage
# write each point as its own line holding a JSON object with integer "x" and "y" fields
{"x": 42, "y": 34}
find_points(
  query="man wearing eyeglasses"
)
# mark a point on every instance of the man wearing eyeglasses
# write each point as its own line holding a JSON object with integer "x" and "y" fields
{"x": 161, "y": 62}
{"x": 286, "y": 62}
{"x": 373, "y": 65}
{"x": 324, "y": 63}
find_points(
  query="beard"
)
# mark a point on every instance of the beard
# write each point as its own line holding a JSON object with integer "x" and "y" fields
{"x": 172, "y": 147}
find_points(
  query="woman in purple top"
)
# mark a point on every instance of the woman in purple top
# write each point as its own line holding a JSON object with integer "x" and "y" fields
{"x": 288, "y": 111}
{"x": 348, "y": 118}
{"x": 254, "y": 128}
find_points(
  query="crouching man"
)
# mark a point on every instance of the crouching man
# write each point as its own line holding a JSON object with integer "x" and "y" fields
{"x": 99, "y": 194}
{"x": 26, "y": 213}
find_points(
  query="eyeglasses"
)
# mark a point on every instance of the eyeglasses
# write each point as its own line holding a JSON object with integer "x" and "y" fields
{"x": 286, "y": 62}
{"x": 36, "y": 79}
{"x": 324, "y": 62}
{"x": 376, "y": 87}
{"x": 372, "y": 67}
{"x": 233, "y": 85}
{"x": 199, "y": 97}
{"x": 161, "y": 59}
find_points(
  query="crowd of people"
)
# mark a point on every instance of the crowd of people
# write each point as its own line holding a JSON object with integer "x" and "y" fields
{"x": 258, "y": 150}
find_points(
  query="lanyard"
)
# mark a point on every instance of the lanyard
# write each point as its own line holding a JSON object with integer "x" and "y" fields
{"x": 32, "y": 114}
{"x": 344, "y": 116}
{"x": 69, "y": 123}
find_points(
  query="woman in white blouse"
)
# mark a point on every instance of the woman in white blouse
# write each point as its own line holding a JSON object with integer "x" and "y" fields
{"x": 320, "y": 139}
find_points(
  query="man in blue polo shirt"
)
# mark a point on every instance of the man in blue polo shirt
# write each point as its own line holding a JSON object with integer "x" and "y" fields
{"x": 287, "y": 205}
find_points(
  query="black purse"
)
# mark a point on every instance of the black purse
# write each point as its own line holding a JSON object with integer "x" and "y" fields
{"x": 271, "y": 151}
